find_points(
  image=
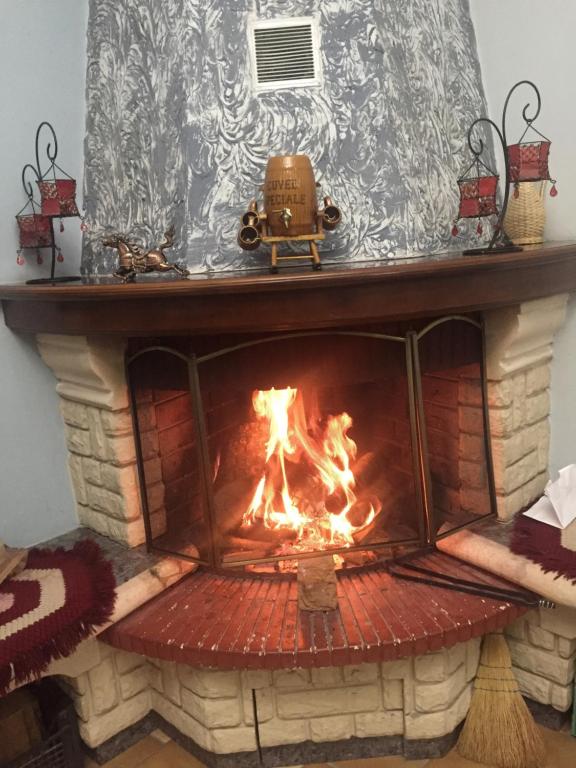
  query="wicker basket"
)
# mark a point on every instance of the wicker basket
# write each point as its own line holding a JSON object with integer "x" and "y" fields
{"x": 526, "y": 215}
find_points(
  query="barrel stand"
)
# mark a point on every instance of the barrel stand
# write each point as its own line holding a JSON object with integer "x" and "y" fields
{"x": 314, "y": 256}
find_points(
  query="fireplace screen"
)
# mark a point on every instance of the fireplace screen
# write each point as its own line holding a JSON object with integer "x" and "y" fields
{"x": 280, "y": 447}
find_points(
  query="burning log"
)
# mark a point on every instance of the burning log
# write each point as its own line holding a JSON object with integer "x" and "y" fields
{"x": 230, "y": 502}
{"x": 317, "y": 584}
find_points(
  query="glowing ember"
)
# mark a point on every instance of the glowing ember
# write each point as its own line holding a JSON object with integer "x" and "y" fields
{"x": 307, "y": 485}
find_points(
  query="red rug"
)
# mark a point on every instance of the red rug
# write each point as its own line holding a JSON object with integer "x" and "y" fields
{"x": 47, "y": 609}
{"x": 542, "y": 544}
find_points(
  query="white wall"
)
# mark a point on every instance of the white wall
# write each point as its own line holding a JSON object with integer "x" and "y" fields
{"x": 42, "y": 77}
{"x": 534, "y": 40}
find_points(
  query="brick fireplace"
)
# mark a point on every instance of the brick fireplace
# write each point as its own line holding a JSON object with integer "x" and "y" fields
{"x": 371, "y": 704}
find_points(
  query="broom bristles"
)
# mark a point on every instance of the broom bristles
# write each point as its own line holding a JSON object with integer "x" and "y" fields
{"x": 499, "y": 729}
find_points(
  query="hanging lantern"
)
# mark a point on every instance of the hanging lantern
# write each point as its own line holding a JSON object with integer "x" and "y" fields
{"x": 58, "y": 197}
{"x": 477, "y": 194}
{"x": 528, "y": 160}
{"x": 35, "y": 231}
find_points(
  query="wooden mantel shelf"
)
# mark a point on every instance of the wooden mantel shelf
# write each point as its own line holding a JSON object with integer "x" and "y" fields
{"x": 293, "y": 299}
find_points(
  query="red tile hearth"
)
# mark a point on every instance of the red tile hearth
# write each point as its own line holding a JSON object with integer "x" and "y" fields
{"x": 240, "y": 621}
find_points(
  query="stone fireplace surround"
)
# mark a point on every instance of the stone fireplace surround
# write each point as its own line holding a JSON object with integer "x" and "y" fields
{"x": 410, "y": 706}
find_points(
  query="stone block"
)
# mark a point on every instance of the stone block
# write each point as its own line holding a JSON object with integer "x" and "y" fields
{"x": 537, "y": 407}
{"x": 212, "y": 713}
{"x": 566, "y": 648}
{"x": 455, "y": 657}
{"x": 393, "y": 694}
{"x": 435, "y": 724}
{"x": 78, "y": 441}
{"x": 518, "y": 630}
{"x": 561, "y": 696}
{"x": 133, "y": 682}
{"x": 155, "y": 678}
{"x": 117, "y": 423}
{"x": 430, "y": 668}
{"x": 333, "y": 728}
{"x": 369, "y": 724}
{"x": 361, "y": 673}
{"x": 292, "y": 678}
{"x": 317, "y": 584}
{"x": 181, "y": 720}
{"x": 544, "y": 663}
{"x": 92, "y": 471}
{"x": 542, "y": 638}
{"x": 538, "y": 379}
{"x": 315, "y": 703}
{"x": 533, "y": 686}
{"x": 561, "y": 621}
{"x": 124, "y": 508}
{"x": 392, "y": 670}
{"x": 436, "y": 697}
{"x": 256, "y": 678}
{"x": 123, "y": 451}
{"x": 99, "y": 729}
{"x": 326, "y": 677}
{"x": 517, "y": 475}
{"x": 103, "y": 686}
{"x": 171, "y": 683}
{"x": 77, "y": 477}
{"x": 276, "y": 732}
{"x": 126, "y": 662}
{"x": 230, "y": 740}
{"x": 501, "y": 423}
{"x": 74, "y": 414}
{"x": 98, "y": 439}
{"x": 119, "y": 479}
{"x": 264, "y": 703}
{"x": 473, "y": 648}
{"x": 208, "y": 683}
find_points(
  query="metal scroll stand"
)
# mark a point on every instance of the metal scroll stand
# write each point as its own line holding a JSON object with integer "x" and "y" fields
{"x": 52, "y": 153}
{"x": 500, "y": 242}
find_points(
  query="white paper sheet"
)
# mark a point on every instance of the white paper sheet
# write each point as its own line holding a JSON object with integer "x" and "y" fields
{"x": 558, "y": 506}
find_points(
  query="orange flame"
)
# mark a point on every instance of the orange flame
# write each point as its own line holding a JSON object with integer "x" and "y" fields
{"x": 319, "y": 462}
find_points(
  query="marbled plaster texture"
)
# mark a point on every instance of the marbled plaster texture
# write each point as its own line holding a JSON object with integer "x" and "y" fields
{"x": 177, "y": 134}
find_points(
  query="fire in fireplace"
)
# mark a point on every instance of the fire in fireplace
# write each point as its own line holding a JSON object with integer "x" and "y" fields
{"x": 257, "y": 452}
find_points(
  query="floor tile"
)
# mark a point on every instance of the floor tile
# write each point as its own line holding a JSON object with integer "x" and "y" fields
{"x": 561, "y": 749}
{"x": 171, "y": 756}
{"x": 135, "y": 756}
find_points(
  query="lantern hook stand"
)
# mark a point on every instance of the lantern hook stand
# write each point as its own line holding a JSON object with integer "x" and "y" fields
{"x": 500, "y": 242}
{"x": 51, "y": 153}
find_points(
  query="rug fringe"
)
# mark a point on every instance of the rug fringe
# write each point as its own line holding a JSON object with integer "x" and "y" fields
{"x": 31, "y": 665}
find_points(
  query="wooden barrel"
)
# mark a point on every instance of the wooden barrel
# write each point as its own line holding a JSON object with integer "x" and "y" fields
{"x": 290, "y": 196}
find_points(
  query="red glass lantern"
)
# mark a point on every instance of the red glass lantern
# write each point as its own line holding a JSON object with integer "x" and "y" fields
{"x": 35, "y": 231}
{"x": 478, "y": 197}
{"x": 529, "y": 161}
{"x": 58, "y": 197}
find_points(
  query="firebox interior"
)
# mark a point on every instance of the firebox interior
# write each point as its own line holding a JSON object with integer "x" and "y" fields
{"x": 275, "y": 448}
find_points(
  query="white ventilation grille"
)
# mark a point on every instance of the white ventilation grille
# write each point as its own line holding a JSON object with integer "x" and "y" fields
{"x": 285, "y": 53}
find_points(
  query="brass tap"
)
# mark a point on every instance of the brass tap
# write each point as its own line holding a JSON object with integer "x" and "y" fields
{"x": 285, "y": 216}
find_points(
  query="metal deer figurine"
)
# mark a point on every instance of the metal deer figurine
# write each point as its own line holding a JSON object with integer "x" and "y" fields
{"x": 134, "y": 261}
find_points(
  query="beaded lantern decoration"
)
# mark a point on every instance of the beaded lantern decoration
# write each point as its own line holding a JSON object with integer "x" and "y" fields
{"x": 57, "y": 201}
{"x": 525, "y": 161}
{"x": 477, "y": 194}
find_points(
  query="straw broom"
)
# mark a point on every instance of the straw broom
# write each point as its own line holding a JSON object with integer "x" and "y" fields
{"x": 499, "y": 729}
